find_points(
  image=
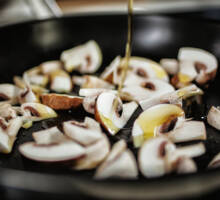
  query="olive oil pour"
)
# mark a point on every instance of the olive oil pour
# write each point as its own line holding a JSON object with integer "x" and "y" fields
{"x": 125, "y": 61}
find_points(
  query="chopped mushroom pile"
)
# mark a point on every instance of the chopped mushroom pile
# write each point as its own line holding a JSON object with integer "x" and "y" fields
{"x": 158, "y": 89}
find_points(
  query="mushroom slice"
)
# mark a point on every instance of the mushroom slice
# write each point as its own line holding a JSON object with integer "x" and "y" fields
{"x": 85, "y": 133}
{"x": 7, "y": 111}
{"x": 60, "y": 81}
{"x": 205, "y": 63}
{"x": 95, "y": 82}
{"x": 78, "y": 80}
{"x": 147, "y": 123}
{"x": 8, "y": 134}
{"x": 50, "y": 66}
{"x": 147, "y": 89}
{"x": 19, "y": 82}
{"x": 119, "y": 163}
{"x": 170, "y": 65}
{"x": 91, "y": 95}
{"x": 213, "y": 117}
{"x": 185, "y": 165}
{"x": 184, "y": 132}
{"x": 9, "y": 92}
{"x": 95, "y": 154}
{"x": 64, "y": 151}
{"x": 152, "y": 157}
{"x": 215, "y": 162}
{"x": 85, "y": 92}
{"x": 61, "y": 101}
{"x": 143, "y": 68}
{"x": 27, "y": 95}
{"x": 85, "y": 58}
{"x": 107, "y": 74}
{"x": 38, "y": 79}
{"x": 191, "y": 151}
{"x": 48, "y": 136}
{"x": 111, "y": 117}
{"x": 37, "y": 111}
{"x": 174, "y": 97}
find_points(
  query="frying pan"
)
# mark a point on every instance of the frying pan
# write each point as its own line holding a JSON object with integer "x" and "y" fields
{"x": 28, "y": 44}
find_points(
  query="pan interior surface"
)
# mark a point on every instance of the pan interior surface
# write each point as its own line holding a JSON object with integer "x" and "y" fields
{"x": 26, "y": 45}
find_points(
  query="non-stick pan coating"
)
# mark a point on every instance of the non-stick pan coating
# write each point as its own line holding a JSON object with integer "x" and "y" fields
{"x": 23, "y": 46}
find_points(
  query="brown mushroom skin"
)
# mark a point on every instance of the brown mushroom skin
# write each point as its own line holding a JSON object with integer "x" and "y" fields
{"x": 60, "y": 102}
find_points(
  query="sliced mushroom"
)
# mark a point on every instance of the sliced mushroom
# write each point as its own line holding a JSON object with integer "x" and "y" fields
{"x": 170, "y": 65}
{"x": 9, "y": 92}
{"x": 185, "y": 165}
{"x": 215, "y": 162}
{"x": 147, "y": 123}
{"x": 37, "y": 111}
{"x": 91, "y": 94}
{"x": 152, "y": 157}
{"x": 85, "y": 92}
{"x": 27, "y": 96}
{"x": 159, "y": 156}
{"x": 172, "y": 97}
{"x": 63, "y": 151}
{"x": 184, "y": 132}
{"x": 187, "y": 73}
{"x": 60, "y": 81}
{"x": 48, "y": 136}
{"x": 205, "y": 63}
{"x": 41, "y": 80}
{"x": 19, "y": 82}
{"x": 95, "y": 154}
{"x": 193, "y": 150}
{"x": 7, "y": 111}
{"x": 112, "y": 117}
{"x": 8, "y": 134}
{"x": 61, "y": 101}
{"x": 85, "y": 58}
{"x": 213, "y": 117}
{"x": 78, "y": 80}
{"x": 85, "y": 133}
{"x": 147, "y": 89}
{"x": 107, "y": 74}
{"x": 89, "y": 104}
{"x": 119, "y": 163}
{"x": 95, "y": 82}
{"x": 50, "y": 66}
{"x": 143, "y": 68}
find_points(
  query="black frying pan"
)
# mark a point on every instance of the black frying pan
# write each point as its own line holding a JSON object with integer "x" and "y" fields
{"x": 28, "y": 44}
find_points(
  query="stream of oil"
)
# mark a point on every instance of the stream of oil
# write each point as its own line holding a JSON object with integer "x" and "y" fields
{"x": 125, "y": 61}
